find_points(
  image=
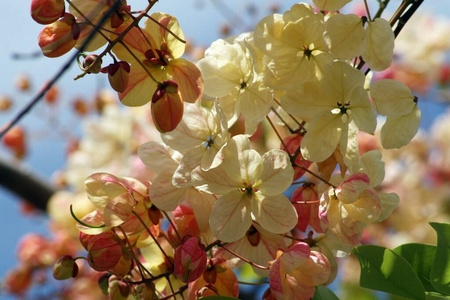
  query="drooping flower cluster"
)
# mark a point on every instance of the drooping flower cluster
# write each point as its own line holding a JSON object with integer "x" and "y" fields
{"x": 223, "y": 200}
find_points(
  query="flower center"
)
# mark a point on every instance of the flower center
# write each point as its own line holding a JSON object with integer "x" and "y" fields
{"x": 343, "y": 109}
{"x": 248, "y": 189}
{"x": 209, "y": 141}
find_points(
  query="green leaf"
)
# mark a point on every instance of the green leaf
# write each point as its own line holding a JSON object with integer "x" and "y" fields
{"x": 384, "y": 270}
{"x": 218, "y": 298}
{"x": 324, "y": 293}
{"x": 350, "y": 290}
{"x": 420, "y": 257}
{"x": 440, "y": 272}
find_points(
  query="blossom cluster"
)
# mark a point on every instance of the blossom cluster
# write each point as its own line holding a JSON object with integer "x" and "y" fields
{"x": 210, "y": 200}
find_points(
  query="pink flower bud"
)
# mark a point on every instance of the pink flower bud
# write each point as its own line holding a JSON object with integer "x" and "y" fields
{"x": 123, "y": 266}
{"x": 190, "y": 260}
{"x": 104, "y": 250}
{"x": 59, "y": 37}
{"x": 306, "y": 202}
{"x": 292, "y": 143}
{"x": 65, "y": 268}
{"x": 118, "y": 75}
{"x": 185, "y": 223}
{"x": 91, "y": 64}
{"x": 167, "y": 106}
{"x": 15, "y": 140}
{"x": 18, "y": 281}
{"x": 47, "y": 11}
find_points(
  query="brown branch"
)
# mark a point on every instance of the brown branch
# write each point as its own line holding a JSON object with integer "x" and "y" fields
{"x": 26, "y": 185}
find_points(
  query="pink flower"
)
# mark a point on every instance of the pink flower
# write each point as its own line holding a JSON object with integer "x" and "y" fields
{"x": 190, "y": 260}
{"x": 295, "y": 273}
{"x": 104, "y": 250}
{"x": 292, "y": 143}
{"x": 306, "y": 203}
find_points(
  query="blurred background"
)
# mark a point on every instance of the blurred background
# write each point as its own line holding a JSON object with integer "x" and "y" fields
{"x": 51, "y": 132}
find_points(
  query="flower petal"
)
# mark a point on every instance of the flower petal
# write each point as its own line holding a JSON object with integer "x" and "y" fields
{"x": 230, "y": 217}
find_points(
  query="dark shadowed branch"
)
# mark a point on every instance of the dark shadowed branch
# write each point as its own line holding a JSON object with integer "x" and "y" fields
{"x": 25, "y": 184}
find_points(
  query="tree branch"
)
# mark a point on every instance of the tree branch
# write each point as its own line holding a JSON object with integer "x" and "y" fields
{"x": 23, "y": 183}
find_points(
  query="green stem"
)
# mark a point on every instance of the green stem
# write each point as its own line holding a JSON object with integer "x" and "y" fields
{"x": 82, "y": 223}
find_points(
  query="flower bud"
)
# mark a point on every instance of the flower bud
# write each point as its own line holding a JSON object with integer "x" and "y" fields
{"x": 80, "y": 107}
{"x": 18, "y": 281}
{"x": 190, "y": 260}
{"x": 47, "y": 11}
{"x": 59, "y": 37}
{"x": 105, "y": 250}
{"x": 123, "y": 266}
{"x": 306, "y": 202}
{"x": 52, "y": 95}
{"x": 14, "y": 139}
{"x": 144, "y": 291}
{"x": 253, "y": 236}
{"x": 292, "y": 144}
{"x": 167, "y": 106}
{"x": 92, "y": 64}
{"x": 5, "y": 103}
{"x": 118, "y": 75}
{"x": 118, "y": 290}
{"x": 64, "y": 268}
{"x": 22, "y": 82}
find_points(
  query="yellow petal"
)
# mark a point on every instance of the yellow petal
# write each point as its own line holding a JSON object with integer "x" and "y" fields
{"x": 379, "y": 45}
{"x": 330, "y": 5}
{"x": 160, "y": 35}
{"x": 277, "y": 173}
{"x": 398, "y": 131}
{"x": 275, "y": 213}
{"x": 392, "y": 97}
{"x": 345, "y": 35}
{"x": 230, "y": 217}
{"x": 324, "y": 133}
{"x": 188, "y": 78}
{"x": 140, "y": 87}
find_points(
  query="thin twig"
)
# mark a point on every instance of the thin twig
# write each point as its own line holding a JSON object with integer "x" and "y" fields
{"x": 301, "y": 125}
{"x": 282, "y": 120}
{"x": 314, "y": 174}
{"x": 173, "y": 225}
{"x": 178, "y": 292}
{"x": 383, "y": 5}
{"x": 166, "y": 29}
{"x": 153, "y": 237}
{"x": 367, "y": 10}
{"x": 242, "y": 258}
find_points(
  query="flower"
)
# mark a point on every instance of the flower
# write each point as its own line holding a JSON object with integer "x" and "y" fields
{"x": 296, "y": 272}
{"x": 161, "y": 53}
{"x": 250, "y": 188}
{"x": 231, "y": 75}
